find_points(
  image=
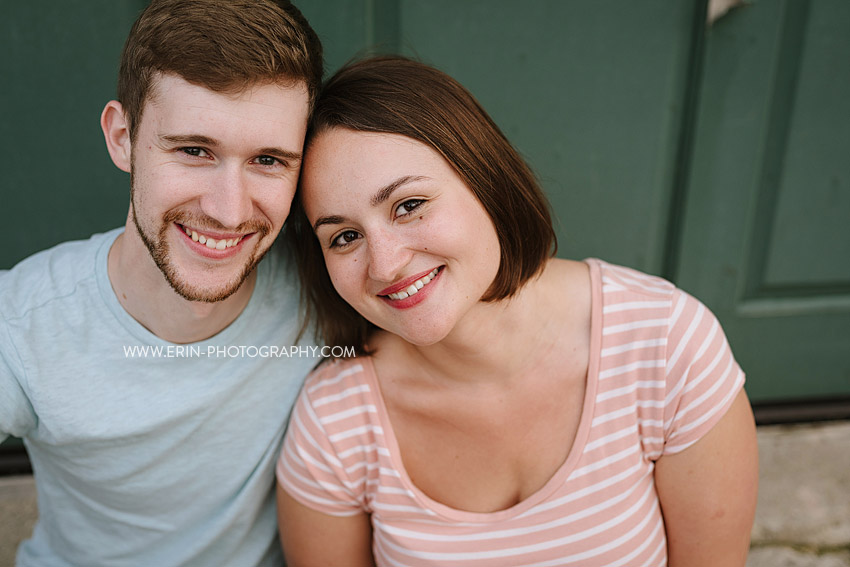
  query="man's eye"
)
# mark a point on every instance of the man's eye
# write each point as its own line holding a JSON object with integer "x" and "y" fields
{"x": 344, "y": 239}
{"x": 267, "y": 160}
{"x": 197, "y": 152}
{"x": 408, "y": 207}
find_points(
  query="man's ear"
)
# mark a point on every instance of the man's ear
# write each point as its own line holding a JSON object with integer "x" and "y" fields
{"x": 117, "y": 135}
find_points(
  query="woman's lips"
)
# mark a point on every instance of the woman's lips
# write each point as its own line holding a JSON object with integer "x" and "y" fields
{"x": 410, "y": 286}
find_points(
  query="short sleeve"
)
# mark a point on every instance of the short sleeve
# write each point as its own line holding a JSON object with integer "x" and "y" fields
{"x": 702, "y": 376}
{"x": 310, "y": 468}
{"x": 17, "y": 416}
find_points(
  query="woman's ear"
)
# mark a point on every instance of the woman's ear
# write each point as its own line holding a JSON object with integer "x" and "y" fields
{"x": 117, "y": 135}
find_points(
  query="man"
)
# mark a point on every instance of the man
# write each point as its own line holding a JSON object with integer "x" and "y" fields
{"x": 150, "y": 369}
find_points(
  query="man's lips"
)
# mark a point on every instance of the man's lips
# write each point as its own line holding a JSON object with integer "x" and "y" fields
{"x": 410, "y": 286}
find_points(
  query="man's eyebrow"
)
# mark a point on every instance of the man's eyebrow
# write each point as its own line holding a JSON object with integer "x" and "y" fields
{"x": 384, "y": 193}
{"x": 189, "y": 139}
{"x": 293, "y": 158}
{"x": 379, "y": 197}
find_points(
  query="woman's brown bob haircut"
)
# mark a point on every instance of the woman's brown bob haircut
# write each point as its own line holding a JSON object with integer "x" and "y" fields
{"x": 223, "y": 45}
{"x": 395, "y": 95}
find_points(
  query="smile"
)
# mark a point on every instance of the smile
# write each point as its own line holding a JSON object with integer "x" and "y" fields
{"x": 414, "y": 288}
{"x": 210, "y": 242}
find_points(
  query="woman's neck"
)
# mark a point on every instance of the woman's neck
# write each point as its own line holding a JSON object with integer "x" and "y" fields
{"x": 503, "y": 340}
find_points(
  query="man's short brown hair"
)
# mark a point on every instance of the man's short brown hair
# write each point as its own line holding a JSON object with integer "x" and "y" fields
{"x": 396, "y": 95}
{"x": 222, "y": 45}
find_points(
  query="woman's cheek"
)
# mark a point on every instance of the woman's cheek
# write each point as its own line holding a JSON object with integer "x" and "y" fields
{"x": 344, "y": 274}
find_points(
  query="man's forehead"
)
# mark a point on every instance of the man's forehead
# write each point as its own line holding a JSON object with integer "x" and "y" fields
{"x": 177, "y": 107}
{"x": 161, "y": 83}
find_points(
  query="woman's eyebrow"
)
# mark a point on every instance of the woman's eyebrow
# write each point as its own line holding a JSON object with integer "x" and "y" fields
{"x": 382, "y": 195}
{"x": 332, "y": 219}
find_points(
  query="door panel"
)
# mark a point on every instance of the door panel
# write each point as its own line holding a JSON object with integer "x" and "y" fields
{"x": 765, "y": 240}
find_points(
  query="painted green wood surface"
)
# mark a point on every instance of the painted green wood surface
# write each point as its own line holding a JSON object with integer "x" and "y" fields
{"x": 766, "y": 231}
{"x": 58, "y": 68}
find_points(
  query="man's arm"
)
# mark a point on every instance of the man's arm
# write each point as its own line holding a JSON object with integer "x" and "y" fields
{"x": 708, "y": 493}
{"x": 311, "y": 538}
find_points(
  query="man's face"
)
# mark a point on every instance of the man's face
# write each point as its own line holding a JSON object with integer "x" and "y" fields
{"x": 212, "y": 180}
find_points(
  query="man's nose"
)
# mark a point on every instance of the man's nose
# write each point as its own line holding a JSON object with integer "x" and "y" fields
{"x": 227, "y": 197}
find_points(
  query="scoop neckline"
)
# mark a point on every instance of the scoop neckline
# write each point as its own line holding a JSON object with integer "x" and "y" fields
{"x": 557, "y": 478}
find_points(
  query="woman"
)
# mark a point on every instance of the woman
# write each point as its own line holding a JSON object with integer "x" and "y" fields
{"x": 508, "y": 408}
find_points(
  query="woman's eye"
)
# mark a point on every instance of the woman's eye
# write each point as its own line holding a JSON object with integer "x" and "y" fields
{"x": 344, "y": 239}
{"x": 408, "y": 207}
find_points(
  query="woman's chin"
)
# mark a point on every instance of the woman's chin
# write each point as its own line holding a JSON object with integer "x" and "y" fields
{"x": 420, "y": 337}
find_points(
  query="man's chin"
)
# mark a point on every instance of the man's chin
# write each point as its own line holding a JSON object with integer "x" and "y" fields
{"x": 205, "y": 294}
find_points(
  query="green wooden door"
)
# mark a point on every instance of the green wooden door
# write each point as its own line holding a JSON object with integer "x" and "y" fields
{"x": 766, "y": 231}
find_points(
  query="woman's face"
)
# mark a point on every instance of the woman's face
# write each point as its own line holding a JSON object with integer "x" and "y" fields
{"x": 405, "y": 241}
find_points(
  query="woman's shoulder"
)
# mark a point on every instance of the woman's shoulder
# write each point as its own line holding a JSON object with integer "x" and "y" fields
{"x": 337, "y": 375}
{"x": 615, "y": 278}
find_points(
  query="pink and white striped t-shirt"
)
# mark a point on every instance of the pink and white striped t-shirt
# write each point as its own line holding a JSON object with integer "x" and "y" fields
{"x": 660, "y": 375}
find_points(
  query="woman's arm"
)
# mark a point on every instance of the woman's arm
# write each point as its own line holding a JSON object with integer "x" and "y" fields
{"x": 311, "y": 538}
{"x": 708, "y": 493}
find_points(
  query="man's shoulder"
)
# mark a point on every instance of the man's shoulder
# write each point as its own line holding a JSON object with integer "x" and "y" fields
{"x": 51, "y": 273}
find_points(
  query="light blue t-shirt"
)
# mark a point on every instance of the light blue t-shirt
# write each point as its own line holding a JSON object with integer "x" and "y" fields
{"x": 145, "y": 453}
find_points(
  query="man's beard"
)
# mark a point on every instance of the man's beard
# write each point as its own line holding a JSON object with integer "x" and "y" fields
{"x": 160, "y": 253}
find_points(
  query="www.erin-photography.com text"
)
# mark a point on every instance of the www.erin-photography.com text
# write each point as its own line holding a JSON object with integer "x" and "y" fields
{"x": 235, "y": 351}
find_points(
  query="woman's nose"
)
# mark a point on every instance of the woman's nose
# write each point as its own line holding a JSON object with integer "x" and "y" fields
{"x": 388, "y": 256}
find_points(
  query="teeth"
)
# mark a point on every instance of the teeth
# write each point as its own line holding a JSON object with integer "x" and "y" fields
{"x": 415, "y": 286}
{"x": 212, "y": 242}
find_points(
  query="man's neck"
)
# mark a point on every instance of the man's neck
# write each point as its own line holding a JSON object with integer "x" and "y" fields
{"x": 145, "y": 294}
